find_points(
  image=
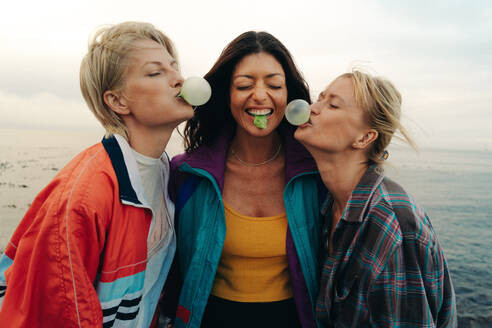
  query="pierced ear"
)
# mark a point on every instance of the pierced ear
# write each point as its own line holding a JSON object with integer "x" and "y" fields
{"x": 366, "y": 139}
{"x": 116, "y": 102}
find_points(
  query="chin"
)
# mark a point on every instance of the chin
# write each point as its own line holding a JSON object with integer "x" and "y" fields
{"x": 259, "y": 132}
{"x": 188, "y": 113}
{"x": 300, "y": 136}
{"x": 296, "y": 134}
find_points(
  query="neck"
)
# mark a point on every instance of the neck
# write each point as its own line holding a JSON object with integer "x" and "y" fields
{"x": 255, "y": 149}
{"x": 149, "y": 142}
{"x": 340, "y": 172}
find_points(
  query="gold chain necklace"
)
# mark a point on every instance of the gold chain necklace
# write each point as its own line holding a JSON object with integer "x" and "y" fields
{"x": 257, "y": 164}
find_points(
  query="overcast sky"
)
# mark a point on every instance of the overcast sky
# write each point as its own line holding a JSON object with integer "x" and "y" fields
{"x": 438, "y": 53}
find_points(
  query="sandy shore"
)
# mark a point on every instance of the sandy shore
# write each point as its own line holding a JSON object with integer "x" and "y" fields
{"x": 29, "y": 159}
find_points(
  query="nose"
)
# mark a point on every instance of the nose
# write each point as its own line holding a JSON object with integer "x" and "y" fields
{"x": 178, "y": 80}
{"x": 259, "y": 93}
{"x": 315, "y": 108}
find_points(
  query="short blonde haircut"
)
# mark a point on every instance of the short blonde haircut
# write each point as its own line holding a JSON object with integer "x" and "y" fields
{"x": 381, "y": 102}
{"x": 104, "y": 66}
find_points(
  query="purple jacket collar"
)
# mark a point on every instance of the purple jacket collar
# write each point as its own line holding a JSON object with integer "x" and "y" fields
{"x": 212, "y": 158}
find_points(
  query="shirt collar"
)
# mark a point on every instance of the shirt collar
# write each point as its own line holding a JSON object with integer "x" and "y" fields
{"x": 358, "y": 201}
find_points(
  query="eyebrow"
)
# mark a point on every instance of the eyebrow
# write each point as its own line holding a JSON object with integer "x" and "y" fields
{"x": 331, "y": 95}
{"x": 252, "y": 77}
{"x": 173, "y": 62}
{"x": 153, "y": 62}
{"x": 336, "y": 96}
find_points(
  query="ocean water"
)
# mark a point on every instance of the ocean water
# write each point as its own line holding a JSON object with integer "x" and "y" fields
{"x": 455, "y": 188}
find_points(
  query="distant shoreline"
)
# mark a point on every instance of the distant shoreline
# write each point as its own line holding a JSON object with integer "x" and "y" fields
{"x": 96, "y": 129}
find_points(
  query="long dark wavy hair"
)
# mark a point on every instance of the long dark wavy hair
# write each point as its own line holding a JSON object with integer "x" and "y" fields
{"x": 211, "y": 118}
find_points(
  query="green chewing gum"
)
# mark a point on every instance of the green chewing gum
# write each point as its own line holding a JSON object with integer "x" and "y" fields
{"x": 260, "y": 121}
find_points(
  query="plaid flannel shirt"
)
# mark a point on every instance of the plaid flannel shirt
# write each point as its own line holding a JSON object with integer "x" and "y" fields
{"x": 386, "y": 268}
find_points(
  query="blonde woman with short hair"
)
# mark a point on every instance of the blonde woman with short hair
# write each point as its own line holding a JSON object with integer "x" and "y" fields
{"x": 382, "y": 265}
{"x": 95, "y": 247}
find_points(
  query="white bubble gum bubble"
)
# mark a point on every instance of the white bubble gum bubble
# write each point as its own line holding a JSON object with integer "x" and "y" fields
{"x": 297, "y": 112}
{"x": 196, "y": 91}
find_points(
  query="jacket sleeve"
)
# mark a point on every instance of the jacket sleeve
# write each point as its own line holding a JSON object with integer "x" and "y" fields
{"x": 50, "y": 265}
{"x": 414, "y": 286}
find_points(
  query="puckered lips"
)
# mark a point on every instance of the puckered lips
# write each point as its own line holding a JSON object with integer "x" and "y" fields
{"x": 181, "y": 99}
{"x": 308, "y": 123}
{"x": 259, "y": 111}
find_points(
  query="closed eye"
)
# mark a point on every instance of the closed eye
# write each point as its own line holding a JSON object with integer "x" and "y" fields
{"x": 154, "y": 74}
{"x": 333, "y": 106}
{"x": 242, "y": 87}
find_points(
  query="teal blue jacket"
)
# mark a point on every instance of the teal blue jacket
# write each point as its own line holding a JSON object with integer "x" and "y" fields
{"x": 196, "y": 186}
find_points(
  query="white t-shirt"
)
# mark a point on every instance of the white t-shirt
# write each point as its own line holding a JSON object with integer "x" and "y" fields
{"x": 161, "y": 245}
{"x": 153, "y": 185}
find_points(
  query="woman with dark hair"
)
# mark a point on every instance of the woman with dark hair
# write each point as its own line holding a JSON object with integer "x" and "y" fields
{"x": 247, "y": 197}
{"x": 216, "y": 114}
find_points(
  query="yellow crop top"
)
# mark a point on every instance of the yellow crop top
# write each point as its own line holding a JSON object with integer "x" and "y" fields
{"x": 253, "y": 266}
